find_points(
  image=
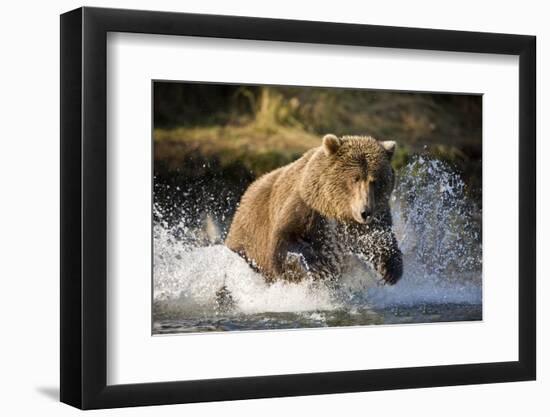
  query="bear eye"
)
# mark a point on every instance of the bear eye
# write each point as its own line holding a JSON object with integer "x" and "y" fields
{"x": 357, "y": 178}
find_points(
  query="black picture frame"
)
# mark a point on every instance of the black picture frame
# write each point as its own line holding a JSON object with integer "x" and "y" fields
{"x": 84, "y": 207}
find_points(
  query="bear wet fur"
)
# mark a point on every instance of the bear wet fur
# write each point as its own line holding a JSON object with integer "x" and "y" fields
{"x": 308, "y": 217}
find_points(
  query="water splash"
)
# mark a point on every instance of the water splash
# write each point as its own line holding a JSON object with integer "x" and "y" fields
{"x": 439, "y": 233}
{"x": 437, "y": 226}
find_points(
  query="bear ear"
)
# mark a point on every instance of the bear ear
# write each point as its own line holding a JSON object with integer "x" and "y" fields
{"x": 331, "y": 144}
{"x": 389, "y": 147}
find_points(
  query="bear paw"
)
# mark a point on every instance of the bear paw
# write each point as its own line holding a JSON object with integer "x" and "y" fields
{"x": 295, "y": 268}
{"x": 392, "y": 270}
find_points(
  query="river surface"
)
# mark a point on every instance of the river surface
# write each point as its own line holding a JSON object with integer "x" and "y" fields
{"x": 425, "y": 313}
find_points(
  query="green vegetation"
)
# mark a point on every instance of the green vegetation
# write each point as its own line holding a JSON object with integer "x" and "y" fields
{"x": 258, "y": 149}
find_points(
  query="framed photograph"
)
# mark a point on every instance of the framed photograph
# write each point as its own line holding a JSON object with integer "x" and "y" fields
{"x": 256, "y": 208}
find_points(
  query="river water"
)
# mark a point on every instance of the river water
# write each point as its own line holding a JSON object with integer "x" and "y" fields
{"x": 437, "y": 226}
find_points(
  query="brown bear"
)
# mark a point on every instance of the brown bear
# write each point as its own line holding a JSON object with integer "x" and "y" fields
{"x": 308, "y": 217}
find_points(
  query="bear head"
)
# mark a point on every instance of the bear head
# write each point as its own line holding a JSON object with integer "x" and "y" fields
{"x": 349, "y": 178}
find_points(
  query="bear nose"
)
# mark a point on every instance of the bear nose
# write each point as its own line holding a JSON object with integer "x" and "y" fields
{"x": 365, "y": 214}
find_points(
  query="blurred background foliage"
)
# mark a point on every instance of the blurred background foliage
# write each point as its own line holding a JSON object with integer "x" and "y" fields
{"x": 235, "y": 133}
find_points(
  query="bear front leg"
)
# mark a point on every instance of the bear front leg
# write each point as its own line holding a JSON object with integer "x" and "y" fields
{"x": 319, "y": 259}
{"x": 389, "y": 262}
{"x": 305, "y": 260}
{"x": 376, "y": 244}
{"x": 276, "y": 257}
{"x": 294, "y": 261}
{"x": 295, "y": 267}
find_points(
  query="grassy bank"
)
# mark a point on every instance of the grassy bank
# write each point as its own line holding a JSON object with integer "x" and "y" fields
{"x": 256, "y": 150}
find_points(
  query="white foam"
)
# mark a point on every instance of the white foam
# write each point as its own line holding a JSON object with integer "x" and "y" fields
{"x": 187, "y": 280}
